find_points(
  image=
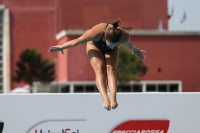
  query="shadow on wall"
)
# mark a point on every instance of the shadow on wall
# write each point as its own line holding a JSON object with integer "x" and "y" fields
{"x": 1, "y": 127}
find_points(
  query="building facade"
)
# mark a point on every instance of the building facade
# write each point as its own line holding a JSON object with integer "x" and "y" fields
{"x": 171, "y": 59}
{"x": 171, "y": 56}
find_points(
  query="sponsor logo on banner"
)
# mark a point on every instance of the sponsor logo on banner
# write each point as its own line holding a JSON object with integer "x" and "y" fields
{"x": 1, "y": 127}
{"x": 58, "y": 126}
{"x": 67, "y": 130}
{"x": 142, "y": 126}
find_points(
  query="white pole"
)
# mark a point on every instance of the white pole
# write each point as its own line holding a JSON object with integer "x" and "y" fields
{"x": 172, "y": 23}
{"x": 185, "y": 26}
{"x": 173, "y": 18}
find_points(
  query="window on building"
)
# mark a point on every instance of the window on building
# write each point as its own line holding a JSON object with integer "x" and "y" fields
{"x": 65, "y": 89}
{"x": 124, "y": 88}
{"x": 150, "y": 88}
{"x": 78, "y": 88}
{"x": 90, "y": 87}
{"x": 173, "y": 88}
{"x": 137, "y": 88}
{"x": 85, "y": 88}
{"x": 1, "y": 89}
{"x": 54, "y": 89}
{"x": 162, "y": 87}
{"x": 42, "y": 88}
{"x": 130, "y": 88}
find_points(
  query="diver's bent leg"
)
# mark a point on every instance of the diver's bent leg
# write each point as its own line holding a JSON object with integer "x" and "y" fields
{"x": 112, "y": 84}
{"x": 97, "y": 61}
{"x": 101, "y": 85}
{"x": 111, "y": 58}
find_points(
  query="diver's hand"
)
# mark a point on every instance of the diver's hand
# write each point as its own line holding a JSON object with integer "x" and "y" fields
{"x": 56, "y": 48}
{"x": 139, "y": 53}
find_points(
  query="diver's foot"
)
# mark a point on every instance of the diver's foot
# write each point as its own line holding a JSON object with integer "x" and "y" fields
{"x": 114, "y": 103}
{"x": 106, "y": 104}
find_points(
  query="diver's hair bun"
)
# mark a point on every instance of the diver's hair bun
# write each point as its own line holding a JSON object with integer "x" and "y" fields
{"x": 114, "y": 34}
{"x": 116, "y": 23}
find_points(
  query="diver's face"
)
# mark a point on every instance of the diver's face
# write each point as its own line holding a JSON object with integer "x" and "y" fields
{"x": 111, "y": 44}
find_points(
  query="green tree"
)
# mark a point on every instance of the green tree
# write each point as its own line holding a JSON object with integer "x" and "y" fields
{"x": 129, "y": 67}
{"x": 32, "y": 67}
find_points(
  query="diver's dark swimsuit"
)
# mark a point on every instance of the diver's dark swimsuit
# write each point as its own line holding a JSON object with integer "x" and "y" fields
{"x": 101, "y": 44}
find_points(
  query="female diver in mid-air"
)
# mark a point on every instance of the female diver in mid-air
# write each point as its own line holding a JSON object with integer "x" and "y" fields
{"x": 102, "y": 51}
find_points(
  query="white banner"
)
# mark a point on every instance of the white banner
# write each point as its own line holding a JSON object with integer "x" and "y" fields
{"x": 83, "y": 113}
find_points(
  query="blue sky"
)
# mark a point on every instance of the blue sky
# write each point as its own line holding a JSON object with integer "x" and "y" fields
{"x": 192, "y": 9}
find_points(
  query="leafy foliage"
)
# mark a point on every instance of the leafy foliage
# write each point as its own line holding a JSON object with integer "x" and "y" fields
{"x": 129, "y": 66}
{"x": 31, "y": 67}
